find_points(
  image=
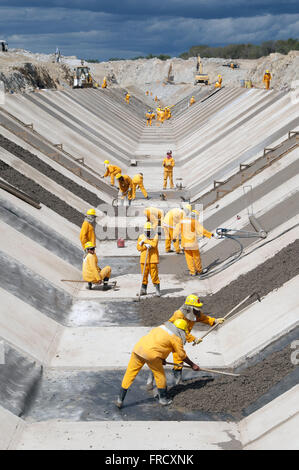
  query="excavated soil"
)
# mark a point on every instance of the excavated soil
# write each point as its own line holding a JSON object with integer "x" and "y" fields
{"x": 39, "y": 194}
{"x": 235, "y": 396}
{"x": 32, "y": 160}
{"x": 270, "y": 275}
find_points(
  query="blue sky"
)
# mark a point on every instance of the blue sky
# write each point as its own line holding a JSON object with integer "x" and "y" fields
{"x": 128, "y": 28}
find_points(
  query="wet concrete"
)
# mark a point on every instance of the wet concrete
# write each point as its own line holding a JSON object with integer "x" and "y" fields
{"x": 266, "y": 277}
{"x": 39, "y": 194}
{"x": 90, "y": 396}
{"x": 48, "y": 171}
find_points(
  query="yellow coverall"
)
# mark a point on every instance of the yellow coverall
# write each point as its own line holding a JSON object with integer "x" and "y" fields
{"x": 137, "y": 181}
{"x": 192, "y": 100}
{"x": 104, "y": 84}
{"x": 112, "y": 170}
{"x": 149, "y": 118}
{"x": 218, "y": 83}
{"x": 200, "y": 318}
{"x": 168, "y": 164}
{"x": 91, "y": 272}
{"x": 170, "y": 221}
{"x": 267, "y": 79}
{"x": 154, "y": 216}
{"x": 126, "y": 187}
{"x": 127, "y": 98}
{"x": 190, "y": 229}
{"x": 167, "y": 113}
{"x": 150, "y": 350}
{"x": 87, "y": 234}
{"x": 152, "y": 261}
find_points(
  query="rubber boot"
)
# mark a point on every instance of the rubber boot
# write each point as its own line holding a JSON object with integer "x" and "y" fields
{"x": 150, "y": 381}
{"x": 105, "y": 285}
{"x": 143, "y": 290}
{"x": 90, "y": 285}
{"x": 121, "y": 397}
{"x": 158, "y": 293}
{"x": 163, "y": 400}
{"x": 177, "y": 373}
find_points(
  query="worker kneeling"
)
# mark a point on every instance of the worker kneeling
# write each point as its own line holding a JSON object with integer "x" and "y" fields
{"x": 152, "y": 350}
{"x": 147, "y": 244}
{"x": 91, "y": 272}
{"x": 137, "y": 182}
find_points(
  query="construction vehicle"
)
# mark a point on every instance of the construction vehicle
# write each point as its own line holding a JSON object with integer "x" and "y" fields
{"x": 232, "y": 65}
{"x": 170, "y": 76}
{"x": 3, "y": 45}
{"x": 82, "y": 77}
{"x": 201, "y": 77}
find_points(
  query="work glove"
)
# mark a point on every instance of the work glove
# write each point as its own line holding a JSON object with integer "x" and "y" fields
{"x": 195, "y": 367}
{"x": 215, "y": 235}
{"x": 220, "y": 320}
{"x": 141, "y": 242}
{"x": 147, "y": 246}
{"x": 197, "y": 341}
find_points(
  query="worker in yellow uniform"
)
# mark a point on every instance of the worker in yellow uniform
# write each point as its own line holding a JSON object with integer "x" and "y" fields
{"x": 189, "y": 229}
{"x": 137, "y": 181}
{"x": 150, "y": 115}
{"x": 155, "y": 217}
{"x": 111, "y": 170}
{"x": 168, "y": 164}
{"x": 152, "y": 350}
{"x": 127, "y": 97}
{"x": 192, "y": 100}
{"x": 125, "y": 186}
{"x": 147, "y": 244}
{"x": 91, "y": 272}
{"x": 170, "y": 221}
{"x": 167, "y": 113}
{"x": 267, "y": 78}
{"x": 218, "y": 84}
{"x": 190, "y": 312}
{"x": 104, "y": 83}
{"x": 87, "y": 232}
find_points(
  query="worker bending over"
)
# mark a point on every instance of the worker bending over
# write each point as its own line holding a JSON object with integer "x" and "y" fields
{"x": 127, "y": 97}
{"x": 111, "y": 170}
{"x": 192, "y": 101}
{"x": 137, "y": 182}
{"x": 191, "y": 313}
{"x": 267, "y": 78}
{"x": 168, "y": 164}
{"x": 189, "y": 229}
{"x": 218, "y": 84}
{"x": 87, "y": 232}
{"x": 91, "y": 272}
{"x": 125, "y": 186}
{"x": 150, "y": 115}
{"x": 170, "y": 221}
{"x": 147, "y": 244}
{"x": 152, "y": 349}
{"x": 155, "y": 217}
{"x": 167, "y": 113}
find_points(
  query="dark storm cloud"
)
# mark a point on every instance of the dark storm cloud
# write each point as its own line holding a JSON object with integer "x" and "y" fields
{"x": 131, "y": 28}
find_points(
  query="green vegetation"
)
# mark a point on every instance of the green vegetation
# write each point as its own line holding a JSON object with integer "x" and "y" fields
{"x": 243, "y": 51}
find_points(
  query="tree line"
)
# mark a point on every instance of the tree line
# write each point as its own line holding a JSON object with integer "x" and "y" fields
{"x": 243, "y": 51}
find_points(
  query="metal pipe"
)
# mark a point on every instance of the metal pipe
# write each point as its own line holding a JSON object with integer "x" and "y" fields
{"x": 19, "y": 194}
{"x": 257, "y": 226}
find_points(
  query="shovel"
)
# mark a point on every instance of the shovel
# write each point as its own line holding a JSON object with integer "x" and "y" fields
{"x": 205, "y": 370}
{"x": 229, "y": 313}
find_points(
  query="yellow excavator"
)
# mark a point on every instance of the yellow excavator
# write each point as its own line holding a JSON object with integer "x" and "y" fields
{"x": 201, "y": 77}
{"x": 82, "y": 77}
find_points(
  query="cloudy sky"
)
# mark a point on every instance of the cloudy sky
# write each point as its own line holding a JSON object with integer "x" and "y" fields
{"x": 95, "y": 29}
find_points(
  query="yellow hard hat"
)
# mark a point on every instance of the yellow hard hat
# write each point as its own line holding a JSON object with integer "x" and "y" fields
{"x": 91, "y": 212}
{"x": 89, "y": 246}
{"x": 106, "y": 161}
{"x": 181, "y": 324}
{"x": 194, "y": 213}
{"x": 267, "y": 71}
{"x": 219, "y": 75}
{"x": 148, "y": 226}
{"x": 193, "y": 301}
{"x": 187, "y": 207}
{"x": 118, "y": 176}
